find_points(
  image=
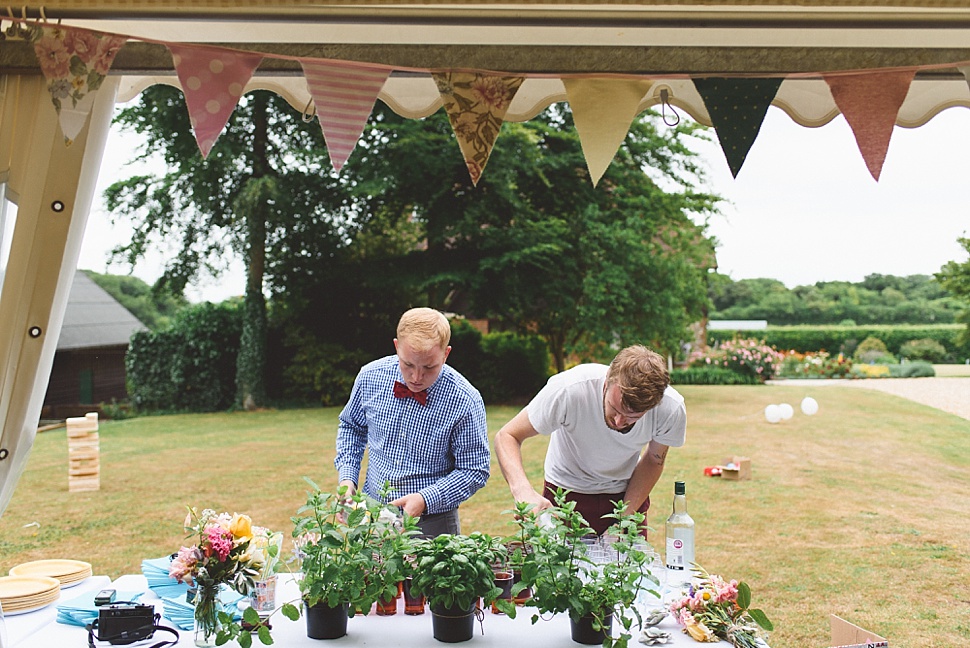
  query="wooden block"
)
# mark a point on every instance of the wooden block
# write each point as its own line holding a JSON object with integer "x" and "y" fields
{"x": 75, "y": 485}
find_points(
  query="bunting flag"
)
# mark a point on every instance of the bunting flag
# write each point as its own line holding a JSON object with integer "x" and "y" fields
{"x": 737, "y": 108}
{"x": 74, "y": 62}
{"x": 212, "y": 80}
{"x": 344, "y": 95}
{"x": 476, "y": 104}
{"x": 870, "y": 103}
{"x": 965, "y": 71}
{"x": 603, "y": 124}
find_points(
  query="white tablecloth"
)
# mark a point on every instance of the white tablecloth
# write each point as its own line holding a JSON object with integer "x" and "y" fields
{"x": 39, "y": 629}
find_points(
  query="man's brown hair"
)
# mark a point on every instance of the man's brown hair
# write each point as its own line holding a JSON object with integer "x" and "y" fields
{"x": 641, "y": 375}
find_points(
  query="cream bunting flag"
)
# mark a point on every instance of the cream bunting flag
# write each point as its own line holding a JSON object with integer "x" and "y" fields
{"x": 603, "y": 110}
{"x": 74, "y": 62}
{"x": 476, "y": 104}
{"x": 965, "y": 71}
{"x": 344, "y": 95}
{"x": 870, "y": 103}
{"x": 212, "y": 80}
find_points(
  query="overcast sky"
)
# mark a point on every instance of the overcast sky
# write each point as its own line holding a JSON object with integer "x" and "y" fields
{"x": 802, "y": 209}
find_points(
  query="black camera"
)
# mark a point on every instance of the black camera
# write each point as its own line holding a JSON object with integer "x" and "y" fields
{"x": 125, "y": 622}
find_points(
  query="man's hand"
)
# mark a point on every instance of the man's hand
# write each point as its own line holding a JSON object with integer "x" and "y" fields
{"x": 413, "y": 504}
{"x": 533, "y": 497}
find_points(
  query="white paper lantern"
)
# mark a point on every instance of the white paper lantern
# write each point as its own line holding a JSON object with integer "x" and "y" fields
{"x": 787, "y": 411}
{"x": 809, "y": 405}
{"x": 773, "y": 413}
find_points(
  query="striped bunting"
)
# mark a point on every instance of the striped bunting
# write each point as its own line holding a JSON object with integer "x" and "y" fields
{"x": 344, "y": 95}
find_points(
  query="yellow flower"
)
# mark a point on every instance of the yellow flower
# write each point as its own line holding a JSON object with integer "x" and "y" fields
{"x": 699, "y": 632}
{"x": 241, "y": 527}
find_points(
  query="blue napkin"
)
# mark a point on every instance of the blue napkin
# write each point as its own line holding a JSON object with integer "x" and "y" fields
{"x": 182, "y": 613}
{"x": 81, "y": 609}
{"x": 155, "y": 571}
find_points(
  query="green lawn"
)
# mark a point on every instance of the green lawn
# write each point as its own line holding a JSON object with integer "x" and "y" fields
{"x": 860, "y": 510}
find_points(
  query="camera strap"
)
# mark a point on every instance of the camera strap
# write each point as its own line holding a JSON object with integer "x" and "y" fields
{"x": 133, "y": 635}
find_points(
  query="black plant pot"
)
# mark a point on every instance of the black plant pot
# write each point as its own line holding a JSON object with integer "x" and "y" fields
{"x": 582, "y": 630}
{"x": 325, "y": 622}
{"x": 452, "y": 625}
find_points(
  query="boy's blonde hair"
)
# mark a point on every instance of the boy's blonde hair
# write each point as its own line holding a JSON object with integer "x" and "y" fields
{"x": 641, "y": 375}
{"x": 424, "y": 328}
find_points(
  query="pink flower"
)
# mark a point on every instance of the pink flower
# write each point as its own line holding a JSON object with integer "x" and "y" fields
{"x": 55, "y": 60}
{"x": 108, "y": 47}
{"x": 219, "y": 542}
{"x": 82, "y": 43}
{"x": 491, "y": 91}
{"x": 184, "y": 564}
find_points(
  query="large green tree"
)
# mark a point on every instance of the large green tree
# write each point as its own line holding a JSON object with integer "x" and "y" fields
{"x": 267, "y": 174}
{"x": 535, "y": 247}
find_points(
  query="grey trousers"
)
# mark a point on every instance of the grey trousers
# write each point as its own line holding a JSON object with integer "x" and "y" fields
{"x": 435, "y": 525}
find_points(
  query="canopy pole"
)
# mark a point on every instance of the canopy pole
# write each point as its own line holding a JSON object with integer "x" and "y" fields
{"x": 55, "y": 185}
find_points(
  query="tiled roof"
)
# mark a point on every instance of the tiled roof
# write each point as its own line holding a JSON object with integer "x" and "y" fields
{"x": 94, "y": 318}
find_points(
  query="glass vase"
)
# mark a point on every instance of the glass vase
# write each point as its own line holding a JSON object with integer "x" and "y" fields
{"x": 206, "y": 614}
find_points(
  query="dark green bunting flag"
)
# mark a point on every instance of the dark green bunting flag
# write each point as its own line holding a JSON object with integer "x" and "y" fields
{"x": 737, "y": 108}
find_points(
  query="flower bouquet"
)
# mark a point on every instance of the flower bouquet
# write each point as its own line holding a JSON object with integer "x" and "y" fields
{"x": 221, "y": 555}
{"x": 714, "y": 609}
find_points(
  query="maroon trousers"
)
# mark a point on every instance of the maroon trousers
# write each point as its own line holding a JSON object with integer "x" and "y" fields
{"x": 594, "y": 507}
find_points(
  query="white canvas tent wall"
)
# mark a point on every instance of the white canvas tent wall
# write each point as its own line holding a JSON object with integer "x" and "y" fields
{"x": 668, "y": 41}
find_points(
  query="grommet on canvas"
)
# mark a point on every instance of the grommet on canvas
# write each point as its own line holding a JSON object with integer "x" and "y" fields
{"x": 34, "y": 331}
{"x": 57, "y": 206}
{"x": 4, "y": 453}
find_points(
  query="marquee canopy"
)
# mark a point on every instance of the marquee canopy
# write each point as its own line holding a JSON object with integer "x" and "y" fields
{"x": 879, "y": 62}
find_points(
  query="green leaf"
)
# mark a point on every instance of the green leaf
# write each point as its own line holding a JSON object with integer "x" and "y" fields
{"x": 744, "y": 595}
{"x": 290, "y": 611}
{"x": 761, "y": 619}
{"x": 251, "y": 616}
{"x": 245, "y": 639}
{"x": 265, "y": 636}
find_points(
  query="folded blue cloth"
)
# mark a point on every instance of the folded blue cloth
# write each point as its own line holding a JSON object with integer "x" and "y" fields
{"x": 155, "y": 571}
{"x": 182, "y": 613}
{"x": 81, "y": 609}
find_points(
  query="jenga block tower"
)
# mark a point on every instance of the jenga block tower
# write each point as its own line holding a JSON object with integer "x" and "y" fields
{"x": 83, "y": 453}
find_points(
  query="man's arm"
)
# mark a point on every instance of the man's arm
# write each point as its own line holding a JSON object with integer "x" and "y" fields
{"x": 646, "y": 475}
{"x": 508, "y": 450}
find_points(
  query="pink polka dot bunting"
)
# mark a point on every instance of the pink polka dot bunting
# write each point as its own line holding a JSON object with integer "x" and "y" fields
{"x": 213, "y": 81}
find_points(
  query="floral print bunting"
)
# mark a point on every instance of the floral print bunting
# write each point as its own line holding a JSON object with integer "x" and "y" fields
{"x": 476, "y": 104}
{"x": 75, "y": 63}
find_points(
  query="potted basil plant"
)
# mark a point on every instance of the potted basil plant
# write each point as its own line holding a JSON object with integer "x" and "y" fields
{"x": 453, "y": 572}
{"x": 565, "y": 578}
{"x": 352, "y": 551}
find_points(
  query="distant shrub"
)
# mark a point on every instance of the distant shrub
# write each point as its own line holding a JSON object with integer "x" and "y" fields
{"x": 747, "y": 357}
{"x": 814, "y": 365}
{"x": 917, "y": 369}
{"x": 873, "y": 350}
{"x": 924, "y": 349}
{"x": 710, "y": 376}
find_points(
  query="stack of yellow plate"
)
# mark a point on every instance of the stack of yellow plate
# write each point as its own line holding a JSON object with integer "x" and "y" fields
{"x": 20, "y": 594}
{"x": 68, "y": 572}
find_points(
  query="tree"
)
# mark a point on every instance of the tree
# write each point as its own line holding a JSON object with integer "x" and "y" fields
{"x": 154, "y": 310}
{"x": 955, "y": 277}
{"x": 535, "y": 247}
{"x": 267, "y": 173}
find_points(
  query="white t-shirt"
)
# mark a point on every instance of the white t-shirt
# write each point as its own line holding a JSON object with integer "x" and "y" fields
{"x": 584, "y": 454}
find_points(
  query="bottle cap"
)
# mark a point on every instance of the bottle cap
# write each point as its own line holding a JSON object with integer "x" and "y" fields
{"x": 680, "y": 488}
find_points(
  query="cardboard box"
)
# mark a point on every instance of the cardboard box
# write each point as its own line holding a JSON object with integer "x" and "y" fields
{"x": 847, "y": 635}
{"x": 741, "y": 470}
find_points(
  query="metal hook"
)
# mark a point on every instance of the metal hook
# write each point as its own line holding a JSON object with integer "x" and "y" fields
{"x": 307, "y": 113}
{"x": 664, "y": 104}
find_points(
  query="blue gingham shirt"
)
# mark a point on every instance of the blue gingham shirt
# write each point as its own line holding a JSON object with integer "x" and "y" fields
{"x": 439, "y": 450}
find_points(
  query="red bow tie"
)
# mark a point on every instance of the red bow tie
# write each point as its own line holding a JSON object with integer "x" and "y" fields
{"x": 401, "y": 391}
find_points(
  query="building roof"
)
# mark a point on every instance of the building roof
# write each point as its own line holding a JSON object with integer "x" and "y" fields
{"x": 94, "y": 318}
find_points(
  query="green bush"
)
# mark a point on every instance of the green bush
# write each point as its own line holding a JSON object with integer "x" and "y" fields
{"x": 815, "y": 365}
{"x": 504, "y": 367}
{"x": 872, "y": 350}
{"x": 918, "y": 369}
{"x": 711, "y": 376}
{"x": 320, "y": 372}
{"x": 190, "y": 366}
{"x": 924, "y": 349}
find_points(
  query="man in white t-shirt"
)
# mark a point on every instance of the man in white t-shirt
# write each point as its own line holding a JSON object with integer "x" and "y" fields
{"x": 600, "y": 420}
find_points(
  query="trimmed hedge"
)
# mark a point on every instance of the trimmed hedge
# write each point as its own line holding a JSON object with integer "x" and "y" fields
{"x": 844, "y": 339}
{"x": 711, "y": 376}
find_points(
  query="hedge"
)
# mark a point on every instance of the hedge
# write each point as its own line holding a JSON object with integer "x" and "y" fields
{"x": 836, "y": 339}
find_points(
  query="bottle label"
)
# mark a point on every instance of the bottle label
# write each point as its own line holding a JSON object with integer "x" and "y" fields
{"x": 680, "y": 550}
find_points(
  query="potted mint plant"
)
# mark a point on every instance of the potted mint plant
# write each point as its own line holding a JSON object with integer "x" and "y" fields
{"x": 565, "y": 577}
{"x": 453, "y": 572}
{"x": 352, "y": 551}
